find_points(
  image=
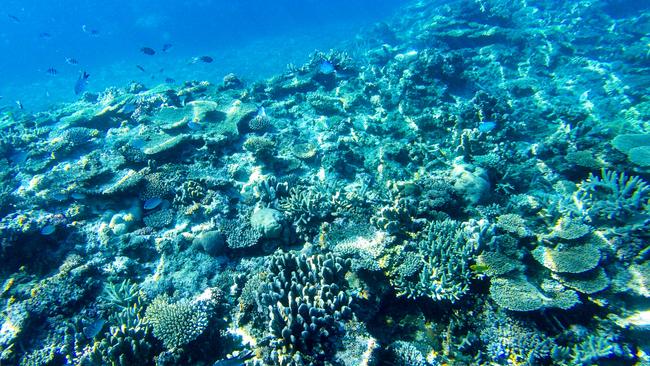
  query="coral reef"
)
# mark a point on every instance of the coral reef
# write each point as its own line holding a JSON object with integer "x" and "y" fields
{"x": 464, "y": 183}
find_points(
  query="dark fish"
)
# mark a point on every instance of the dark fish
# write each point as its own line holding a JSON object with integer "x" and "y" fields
{"x": 71, "y": 61}
{"x": 235, "y": 360}
{"x": 206, "y": 59}
{"x": 52, "y": 71}
{"x": 166, "y": 47}
{"x": 14, "y": 18}
{"x": 140, "y": 68}
{"x": 170, "y": 80}
{"x": 148, "y": 51}
{"x": 81, "y": 83}
{"x": 45, "y": 35}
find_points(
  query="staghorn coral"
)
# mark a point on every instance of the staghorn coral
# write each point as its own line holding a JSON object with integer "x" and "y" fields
{"x": 308, "y": 206}
{"x": 613, "y": 196}
{"x": 447, "y": 252}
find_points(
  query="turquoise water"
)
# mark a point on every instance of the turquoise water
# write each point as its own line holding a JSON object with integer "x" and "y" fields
{"x": 254, "y": 39}
{"x": 349, "y": 183}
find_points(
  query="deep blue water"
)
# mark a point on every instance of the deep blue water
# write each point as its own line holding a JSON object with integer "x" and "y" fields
{"x": 254, "y": 39}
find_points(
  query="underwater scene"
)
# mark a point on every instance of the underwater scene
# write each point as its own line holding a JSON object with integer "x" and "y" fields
{"x": 341, "y": 183}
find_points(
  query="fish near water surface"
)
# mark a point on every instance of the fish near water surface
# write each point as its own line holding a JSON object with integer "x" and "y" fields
{"x": 205, "y": 59}
{"x": 148, "y": 51}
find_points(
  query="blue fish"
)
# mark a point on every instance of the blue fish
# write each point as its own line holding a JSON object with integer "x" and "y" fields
{"x": 94, "y": 328}
{"x": 326, "y": 67}
{"x": 81, "y": 83}
{"x": 152, "y": 203}
{"x": 487, "y": 126}
{"x": 48, "y": 230}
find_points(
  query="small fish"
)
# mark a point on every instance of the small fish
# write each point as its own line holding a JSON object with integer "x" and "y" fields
{"x": 60, "y": 196}
{"x": 14, "y": 18}
{"x": 78, "y": 195}
{"x": 91, "y": 31}
{"x": 52, "y": 71}
{"x": 148, "y": 51}
{"x": 94, "y": 328}
{"x": 206, "y": 59}
{"x": 45, "y": 35}
{"x": 194, "y": 126}
{"x": 81, "y": 83}
{"x": 128, "y": 108}
{"x": 170, "y": 80}
{"x": 48, "y": 230}
{"x": 71, "y": 61}
{"x": 20, "y": 104}
{"x": 326, "y": 67}
{"x": 140, "y": 68}
{"x": 235, "y": 360}
{"x": 487, "y": 126}
{"x": 166, "y": 47}
{"x": 152, "y": 203}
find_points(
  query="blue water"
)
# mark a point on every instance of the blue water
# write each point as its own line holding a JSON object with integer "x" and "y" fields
{"x": 254, "y": 39}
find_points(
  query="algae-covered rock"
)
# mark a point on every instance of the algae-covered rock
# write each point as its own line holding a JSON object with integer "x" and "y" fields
{"x": 640, "y": 156}
{"x": 237, "y": 117}
{"x": 93, "y": 116}
{"x": 470, "y": 182}
{"x": 127, "y": 179}
{"x": 212, "y": 242}
{"x": 635, "y": 146}
{"x": 268, "y": 221}
{"x": 625, "y": 142}
{"x": 165, "y": 144}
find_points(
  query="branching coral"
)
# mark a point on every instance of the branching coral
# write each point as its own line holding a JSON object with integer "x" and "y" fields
{"x": 447, "y": 252}
{"x": 178, "y": 323}
{"x": 306, "y": 306}
{"x": 614, "y": 196}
